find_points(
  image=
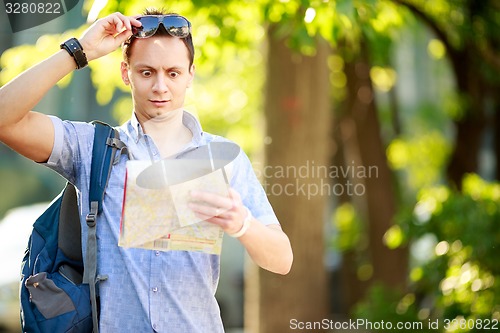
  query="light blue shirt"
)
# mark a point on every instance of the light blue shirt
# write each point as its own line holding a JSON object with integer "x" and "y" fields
{"x": 149, "y": 291}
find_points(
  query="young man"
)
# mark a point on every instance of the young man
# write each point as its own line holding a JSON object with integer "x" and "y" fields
{"x": 146, "y": 290}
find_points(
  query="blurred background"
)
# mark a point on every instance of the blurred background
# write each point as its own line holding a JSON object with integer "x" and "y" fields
{"x": 373, "y": 125}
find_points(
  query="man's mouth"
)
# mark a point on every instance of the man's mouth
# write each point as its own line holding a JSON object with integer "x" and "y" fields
{"x": 159, "y": 102}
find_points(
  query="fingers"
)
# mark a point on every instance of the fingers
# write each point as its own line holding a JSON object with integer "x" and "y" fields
{"x": 214, "y": 199}
{"x": 226, "y": 219}
{"x": 207, "y": 211}
{"x": 117, "y": 23}
{"x": 226, "y": 211}
{"x": 106, "y": 34}
{"x": 128, "y": 21}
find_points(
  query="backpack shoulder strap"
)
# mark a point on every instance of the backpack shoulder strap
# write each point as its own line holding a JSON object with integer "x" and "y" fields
{"x": 106, "y": 144}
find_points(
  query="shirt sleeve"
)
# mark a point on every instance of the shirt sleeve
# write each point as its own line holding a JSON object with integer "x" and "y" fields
{"x": 245, "y": 182}
{"x": 72, "y": 140}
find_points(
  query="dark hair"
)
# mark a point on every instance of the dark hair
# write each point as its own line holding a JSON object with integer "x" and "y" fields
{"x": 188, "y": 41}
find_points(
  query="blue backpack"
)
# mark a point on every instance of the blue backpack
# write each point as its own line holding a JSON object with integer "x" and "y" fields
{"x": 57, "y": 292}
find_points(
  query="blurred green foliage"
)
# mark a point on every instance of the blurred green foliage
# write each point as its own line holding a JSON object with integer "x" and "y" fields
{"x": 453, "y": 235}
{"x": 348, "y": 226}
{"x": 459, "y": 278}
{"x": 421, "y": 157}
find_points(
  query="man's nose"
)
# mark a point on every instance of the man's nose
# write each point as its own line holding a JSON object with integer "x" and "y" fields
{"x": 160, "y": 84}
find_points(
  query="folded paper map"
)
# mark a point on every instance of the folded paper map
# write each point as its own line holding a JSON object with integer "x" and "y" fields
{"x": 155, "y": 207}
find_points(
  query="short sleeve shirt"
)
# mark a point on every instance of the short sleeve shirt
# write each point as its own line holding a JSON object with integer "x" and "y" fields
{"x": 149, "y": 291}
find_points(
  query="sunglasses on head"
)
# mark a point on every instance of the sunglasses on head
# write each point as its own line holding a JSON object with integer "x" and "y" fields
{"x": 176, "y": 25}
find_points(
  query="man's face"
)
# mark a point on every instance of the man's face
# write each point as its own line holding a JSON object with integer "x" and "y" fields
{"x": 159, "y": 74}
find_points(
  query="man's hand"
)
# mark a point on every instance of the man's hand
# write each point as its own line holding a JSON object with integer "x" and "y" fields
{"x": 227, "y": 212}
{"x": 107, "y": 34}
{"x": 268, "y": 246}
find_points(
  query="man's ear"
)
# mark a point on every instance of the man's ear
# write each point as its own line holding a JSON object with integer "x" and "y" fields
{"x": 191, "y": 73}
{"x": 124, "y": 72}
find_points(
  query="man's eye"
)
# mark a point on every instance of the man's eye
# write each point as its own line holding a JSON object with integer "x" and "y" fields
{"x": 174, "y": 74}
{"x": 146, "y": 73}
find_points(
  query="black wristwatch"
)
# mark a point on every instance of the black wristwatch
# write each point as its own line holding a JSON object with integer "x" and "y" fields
{"x": 75, "y": 49}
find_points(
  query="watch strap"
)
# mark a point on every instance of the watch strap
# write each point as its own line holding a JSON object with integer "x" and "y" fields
{"x": 75, "y": 49}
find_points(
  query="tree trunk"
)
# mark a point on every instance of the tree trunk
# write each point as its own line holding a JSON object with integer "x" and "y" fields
{"x": 297, "y": 110}
{"x": 466, "y": 62}
{"x": 374, "y": 195}
{"x": 470, "y": 128}
{"x": 496, "y": 135}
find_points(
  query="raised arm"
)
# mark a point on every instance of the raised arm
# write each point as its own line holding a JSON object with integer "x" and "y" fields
{"x": 30, "y": 133}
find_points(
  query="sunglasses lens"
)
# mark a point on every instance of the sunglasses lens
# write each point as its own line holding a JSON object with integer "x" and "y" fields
{"x": 148, "y": 28}
{"x": 176, "y": 26}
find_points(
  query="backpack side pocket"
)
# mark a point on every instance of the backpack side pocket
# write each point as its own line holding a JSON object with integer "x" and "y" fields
{"x": 48, "y": 298}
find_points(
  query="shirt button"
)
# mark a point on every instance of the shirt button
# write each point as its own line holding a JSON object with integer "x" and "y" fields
{"x": 157, "y": 253}
{"x": 155, "y": 327}
{"x": 155, "y": 289}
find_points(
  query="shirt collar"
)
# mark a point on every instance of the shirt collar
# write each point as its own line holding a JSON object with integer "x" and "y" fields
{"x": 135, "y": 129}
{"x": 188, "y": 119}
